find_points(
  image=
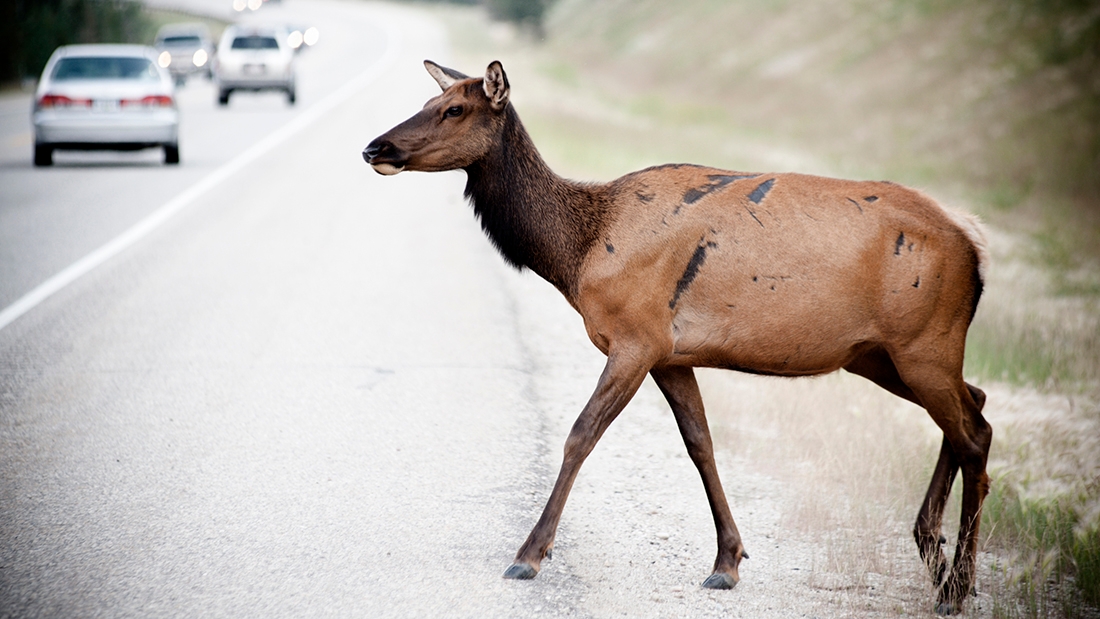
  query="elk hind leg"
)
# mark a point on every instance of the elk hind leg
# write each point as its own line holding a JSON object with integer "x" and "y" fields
{"x": 956, "y": 408}
{"x": 682, "y": 392}
{"x": 877, "y": 366}
{"x": 927, "y": 529}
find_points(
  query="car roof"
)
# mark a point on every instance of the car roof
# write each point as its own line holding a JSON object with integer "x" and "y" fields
{"x": 247, "y": 30}
{"x": 107, "y": 49}
{"x": 188, "y": 28}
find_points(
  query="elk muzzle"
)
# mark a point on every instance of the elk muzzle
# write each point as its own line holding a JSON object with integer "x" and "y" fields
{"x": 384, "y": 157}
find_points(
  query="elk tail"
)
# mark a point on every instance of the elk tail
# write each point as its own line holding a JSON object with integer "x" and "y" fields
{"x": 971, "y": 226}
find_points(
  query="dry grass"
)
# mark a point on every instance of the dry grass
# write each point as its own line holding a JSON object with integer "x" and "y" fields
{"x": 858, "y": 458}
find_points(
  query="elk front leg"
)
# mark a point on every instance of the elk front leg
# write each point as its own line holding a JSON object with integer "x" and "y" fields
{"x": 621, "y": 378}
{"x": 682, "y": 392}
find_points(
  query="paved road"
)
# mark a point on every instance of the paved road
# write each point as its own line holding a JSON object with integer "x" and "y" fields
{"x": 51, "y": 217}
{"x": 316, "y": 391}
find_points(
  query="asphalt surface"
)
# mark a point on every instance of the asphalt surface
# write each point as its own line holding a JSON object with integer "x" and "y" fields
{"x": 51, "y": 217}
{"x": 316, "y": 391}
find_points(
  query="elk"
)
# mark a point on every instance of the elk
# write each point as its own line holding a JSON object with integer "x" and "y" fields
{"x": 682, "y": 266}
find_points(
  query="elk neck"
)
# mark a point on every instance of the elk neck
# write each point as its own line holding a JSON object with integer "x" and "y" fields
{"x": 535, "y": 218}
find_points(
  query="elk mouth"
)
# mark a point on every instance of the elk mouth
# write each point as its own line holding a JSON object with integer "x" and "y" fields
{"x": 387, "y": 169}
{"x": 384, "y": 157}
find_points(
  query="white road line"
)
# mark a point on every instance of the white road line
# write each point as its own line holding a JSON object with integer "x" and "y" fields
{"x": 139, "y": 230}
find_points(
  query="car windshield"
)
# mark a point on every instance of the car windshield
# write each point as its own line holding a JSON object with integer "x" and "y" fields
{"x": 183, "y": 39}
{"x": 105, "y": 68}
{"x": 255, "y": 42}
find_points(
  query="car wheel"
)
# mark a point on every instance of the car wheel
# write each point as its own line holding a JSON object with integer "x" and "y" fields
{"x": 43, "y": 155}
{"x": 291, "y": 95}
{"x": 223, "y": 96}
{"x": 171, "y": 154}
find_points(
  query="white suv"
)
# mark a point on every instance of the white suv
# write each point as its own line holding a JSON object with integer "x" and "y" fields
{"x": 254, "y": 58}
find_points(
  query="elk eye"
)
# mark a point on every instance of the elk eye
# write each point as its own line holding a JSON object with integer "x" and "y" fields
{"x": 453, "y": 111}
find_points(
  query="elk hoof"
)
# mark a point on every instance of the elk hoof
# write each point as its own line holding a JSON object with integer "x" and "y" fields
{"x": 520, "y": 571}
{"x": 946, "y": 608}
{"x": 719, "y": 580}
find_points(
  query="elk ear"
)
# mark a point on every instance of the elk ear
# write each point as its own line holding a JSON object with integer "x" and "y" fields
{"x": 443, "y": 76}
{"x": 496, "y": 85}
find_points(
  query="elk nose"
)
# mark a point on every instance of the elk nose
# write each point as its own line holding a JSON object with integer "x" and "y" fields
{"x": 376, "y": 148}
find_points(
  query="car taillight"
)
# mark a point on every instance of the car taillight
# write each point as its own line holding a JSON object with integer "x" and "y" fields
{"x": 150, "y": 101}
{"x": 52, "y": 101}
{"x": 158, "y": 101}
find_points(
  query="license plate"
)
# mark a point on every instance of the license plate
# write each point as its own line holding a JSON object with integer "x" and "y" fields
{"x": 105, "y": 105}
{"x": 254, "y": 69}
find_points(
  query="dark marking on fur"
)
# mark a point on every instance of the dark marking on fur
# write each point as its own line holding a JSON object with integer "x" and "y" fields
{"x": 916, "y": 284}
{"x": 754, "y": 278}
{"x": 898, "y": 243}
{"x": 857, "y": 205}
{"x": 692, "y": 269}
{"x": 693, "y": 195}
{"x": 717, "y": 182}
{"x": 644, "y": 197}
{"x": 758, "y": 194}
{"x": 610, "y": 248}
{"x": 753, "y": 215}
{"x": 870, "y": 199}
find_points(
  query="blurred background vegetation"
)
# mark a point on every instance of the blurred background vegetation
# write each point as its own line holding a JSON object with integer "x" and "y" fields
{"x": 31, "y": 29}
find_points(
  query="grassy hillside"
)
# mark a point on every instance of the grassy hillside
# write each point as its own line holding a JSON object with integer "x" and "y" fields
{"x": 970, "y": 101}
{"x": 991, "y": 106}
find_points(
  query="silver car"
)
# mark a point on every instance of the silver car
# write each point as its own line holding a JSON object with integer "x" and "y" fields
{"x": 104, "y": 97}
{"x": 254, "y": 58}
{"x": 185, "y": 49}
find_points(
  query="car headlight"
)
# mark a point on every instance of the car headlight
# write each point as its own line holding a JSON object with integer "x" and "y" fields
{"x": 311, "y": 35}
{"x": 200, "y": 58}
{"x": 295, "y": 39}
{"x": 164, "y": 59}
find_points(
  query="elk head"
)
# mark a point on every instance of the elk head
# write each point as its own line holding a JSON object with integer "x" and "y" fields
{"x": 454, "y": 130}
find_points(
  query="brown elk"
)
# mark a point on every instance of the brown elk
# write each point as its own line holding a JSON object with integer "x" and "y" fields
{"x": 683, "y": 266}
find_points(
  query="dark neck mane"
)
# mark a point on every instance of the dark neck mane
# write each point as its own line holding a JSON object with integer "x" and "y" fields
{"x": 534, "y": 217}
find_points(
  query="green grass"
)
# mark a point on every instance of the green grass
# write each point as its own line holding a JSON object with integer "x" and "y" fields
{"x": 1020, "y": 356}
{"x": 1056, "y": 567}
